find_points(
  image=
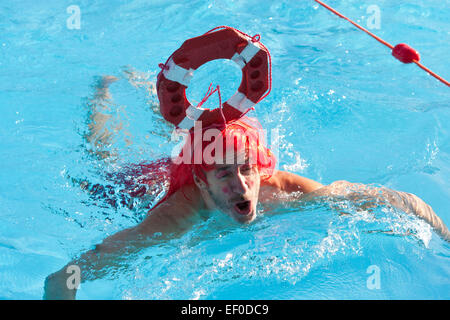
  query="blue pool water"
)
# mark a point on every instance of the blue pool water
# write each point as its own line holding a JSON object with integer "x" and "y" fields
{"x": 343, "y": 108}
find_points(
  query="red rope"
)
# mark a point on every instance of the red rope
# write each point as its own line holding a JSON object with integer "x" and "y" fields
{"x": 208, "y": 94}
{"x": 382, "y": 41}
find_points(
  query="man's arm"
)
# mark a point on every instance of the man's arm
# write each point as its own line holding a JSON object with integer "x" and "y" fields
{"x": 91, "y": 263}
{"x": 367, "y": 197}
{"x": 170, "y": 219}
{"x": 412, "y": 204}
{"x": 364, "y": 196}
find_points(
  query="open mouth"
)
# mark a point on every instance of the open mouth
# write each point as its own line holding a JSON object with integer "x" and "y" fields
{"x": 243, "y": 207}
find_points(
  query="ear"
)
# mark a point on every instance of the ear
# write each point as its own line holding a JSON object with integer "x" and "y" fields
{"x": 199, "y": 182}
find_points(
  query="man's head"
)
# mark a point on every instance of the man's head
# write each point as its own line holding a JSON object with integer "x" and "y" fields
{"x": 232, "y": 188}
{"x": 228, "y": 165}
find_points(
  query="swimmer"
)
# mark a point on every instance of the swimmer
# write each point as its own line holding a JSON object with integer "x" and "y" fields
{"x": 241, "y": 176}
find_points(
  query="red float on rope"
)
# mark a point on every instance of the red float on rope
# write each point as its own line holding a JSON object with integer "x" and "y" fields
{"x": 405, "y": 53}
{"x": 402, "y": 51}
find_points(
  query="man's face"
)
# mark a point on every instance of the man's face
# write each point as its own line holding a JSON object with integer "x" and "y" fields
{"x": 234, "y": 189}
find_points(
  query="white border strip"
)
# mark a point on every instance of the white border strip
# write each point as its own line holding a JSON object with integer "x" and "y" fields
{"x": 193, "y": 112}
{"x": 246, "y": 55}
{"x": 240, "y": 102}
{"x": 192, "y": 115}
{"x": 177, "y": 73}
{"x": 187, "y": 123}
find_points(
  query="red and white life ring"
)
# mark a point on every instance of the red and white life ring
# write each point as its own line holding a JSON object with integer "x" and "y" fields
{"x": 250, "y": 55}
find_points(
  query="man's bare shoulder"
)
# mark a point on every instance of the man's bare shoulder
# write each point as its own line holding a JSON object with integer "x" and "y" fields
{"x": 176, "y": 213}
{"x": 284, "y": 181}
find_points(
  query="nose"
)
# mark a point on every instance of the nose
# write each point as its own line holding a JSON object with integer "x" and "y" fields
{"x": 239, "y": 184}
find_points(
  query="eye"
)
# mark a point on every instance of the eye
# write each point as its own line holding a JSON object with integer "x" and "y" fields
{"x": 223, "y": 174}
{"x": 246, "y": 168}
